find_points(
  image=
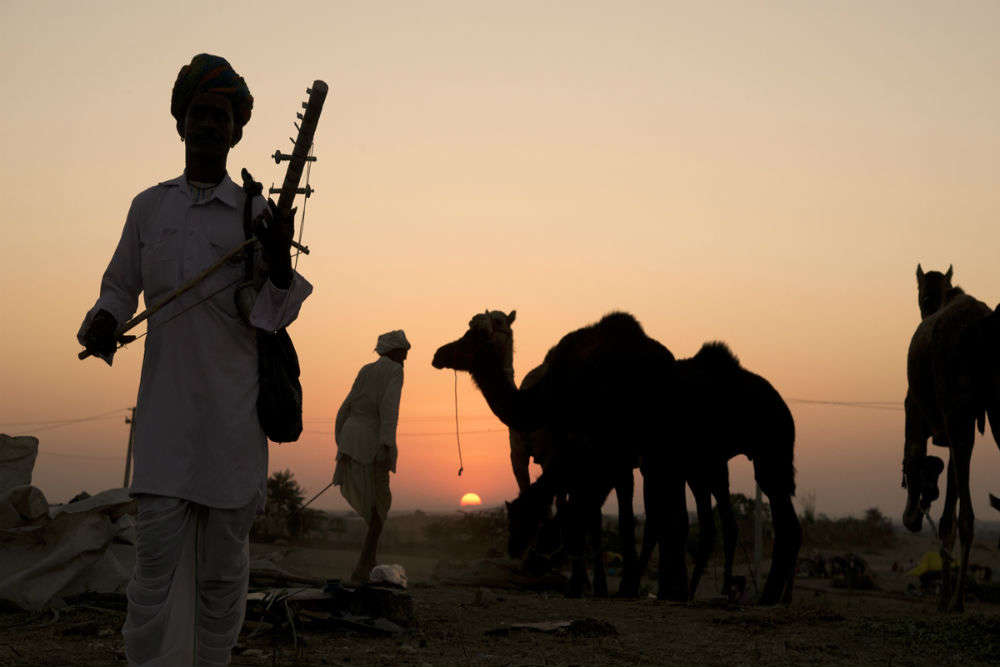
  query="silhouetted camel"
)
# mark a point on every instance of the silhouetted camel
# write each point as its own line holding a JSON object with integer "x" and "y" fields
{"x": 539, "y": 445}
{"x": 952, "y": 375}
{"x": 604, "y": 393}
{"x": 725, "y": 410}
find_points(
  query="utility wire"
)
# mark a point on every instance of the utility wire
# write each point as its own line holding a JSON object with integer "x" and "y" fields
{"x": 870, "y": 405}
{"x": 52, "y": 423}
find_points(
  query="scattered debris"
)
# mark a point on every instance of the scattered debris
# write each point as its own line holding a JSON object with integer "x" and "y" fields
{"x": 812, "y": 566}
{"x": 851, "y": 571}
{"x": 580, "y": 627}
{"x": 389, "y": 575}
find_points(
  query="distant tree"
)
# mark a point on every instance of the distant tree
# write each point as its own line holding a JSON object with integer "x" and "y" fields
{"x": 283, "y": 513}
{"x": 809, "y": 507}
{"x": 878, "y": 521}
{"x": 284, "y": 492}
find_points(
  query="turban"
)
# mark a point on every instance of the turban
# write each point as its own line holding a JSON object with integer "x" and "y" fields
{"x": 211, "y": 74}
{"x": 393, "y": 340}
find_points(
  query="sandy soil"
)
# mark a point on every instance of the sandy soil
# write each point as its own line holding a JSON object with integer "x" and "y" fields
{"x": 823, "y": 625}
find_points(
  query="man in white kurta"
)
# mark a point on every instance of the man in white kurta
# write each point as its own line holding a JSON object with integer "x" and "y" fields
{"x": 200, "y": 453}
{"x": 365, "y": 431}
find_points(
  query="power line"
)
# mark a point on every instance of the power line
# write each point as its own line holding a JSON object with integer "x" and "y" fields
{"x": 404, "y": 434}
{"x": 870, "y": 405}
{"x": 89, "y": 457}
{"x": 46, "y": 424}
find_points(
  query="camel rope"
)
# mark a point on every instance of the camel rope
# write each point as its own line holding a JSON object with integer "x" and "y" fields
{"x": 458, "y": 439}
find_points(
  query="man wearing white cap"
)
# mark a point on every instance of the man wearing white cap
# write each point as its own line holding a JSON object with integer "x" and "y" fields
{"x": 365, "y": 432}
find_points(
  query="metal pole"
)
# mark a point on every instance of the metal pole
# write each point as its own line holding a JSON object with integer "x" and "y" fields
{"x": 128, "y": 453}
{"x": 758, "y": 535}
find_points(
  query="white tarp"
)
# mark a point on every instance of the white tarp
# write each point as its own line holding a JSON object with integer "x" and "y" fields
{"x": 17, "y": 460}
{"x": 86, "y": 546}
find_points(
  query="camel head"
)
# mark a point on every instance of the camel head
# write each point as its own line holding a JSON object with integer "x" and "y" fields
{"x": 932, "y": 287}
{"x": 488, "y": 341}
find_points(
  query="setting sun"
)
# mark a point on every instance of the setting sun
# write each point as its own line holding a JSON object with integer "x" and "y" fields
{"x": 471, "y": 499}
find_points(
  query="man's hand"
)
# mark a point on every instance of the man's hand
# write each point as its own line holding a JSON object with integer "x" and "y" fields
{"x": 99, "y": 339}
{"x": 275, "y": 232}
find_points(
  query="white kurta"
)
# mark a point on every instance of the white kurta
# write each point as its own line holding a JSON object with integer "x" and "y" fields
{"x": 365, "y": 431}
{"x": 197, "y": 434}
{"x": 366, "y": 421}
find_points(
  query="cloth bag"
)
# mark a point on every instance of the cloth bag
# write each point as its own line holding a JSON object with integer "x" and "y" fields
{"x": 279, "y": 401}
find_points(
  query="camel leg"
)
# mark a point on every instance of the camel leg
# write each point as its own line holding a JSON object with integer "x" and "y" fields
{"x": 730, "y": 530}
{"x": 574, "y": 528}
{"x": 649, "y": 530}
{"x": 706, "y": 531}
{"x": 962, "y": 453}
{"x": 946, "y": 532}
{"x": 787, "y": 540}
{"x": 672, "y": 529}
{"x": 600, "y": 575}
{"x": 624, "y": 491}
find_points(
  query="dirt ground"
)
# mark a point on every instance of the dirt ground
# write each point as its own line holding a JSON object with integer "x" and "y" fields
{"x": 469, "y": 625}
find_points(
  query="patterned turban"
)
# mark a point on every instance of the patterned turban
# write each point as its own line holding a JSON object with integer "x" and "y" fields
{"x": 393, "y": 340}
{"x": 211, "y": 74}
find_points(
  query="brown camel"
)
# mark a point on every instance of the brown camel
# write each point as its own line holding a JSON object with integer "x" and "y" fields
{"x": 952, "y": 374}
{"x": 599, "y": 379}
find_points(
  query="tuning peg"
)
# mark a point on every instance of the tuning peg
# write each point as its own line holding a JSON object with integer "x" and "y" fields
{"x": 309, "y": 91}
{"x": 291, "y": 140}
{"x": 297, "y": 127}
{"x": 305, "y": 105}
{"x": 298, "y": 115}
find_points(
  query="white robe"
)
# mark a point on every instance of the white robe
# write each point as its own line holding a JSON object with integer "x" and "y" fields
{"x": 365, "y": 431}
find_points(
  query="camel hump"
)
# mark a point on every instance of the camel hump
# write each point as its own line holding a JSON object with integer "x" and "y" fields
{"x": 621, "y": 323}
{"x": 716, "y": 353}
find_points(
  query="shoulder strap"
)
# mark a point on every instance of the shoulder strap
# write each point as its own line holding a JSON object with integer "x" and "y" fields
{"x": 251, "y": 189}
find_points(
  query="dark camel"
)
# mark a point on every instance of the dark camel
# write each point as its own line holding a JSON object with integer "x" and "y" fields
{"x": 605, "y": 383}
{"x": 953, "y": 383}
{"x": 524, "y": 523}
{"x": 728, "y": 411}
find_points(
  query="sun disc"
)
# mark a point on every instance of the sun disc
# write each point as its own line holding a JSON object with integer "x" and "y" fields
{"x": 471, "y": 499}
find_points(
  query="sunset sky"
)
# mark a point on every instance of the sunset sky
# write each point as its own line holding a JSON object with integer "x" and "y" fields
{"x": 767, "y": 174}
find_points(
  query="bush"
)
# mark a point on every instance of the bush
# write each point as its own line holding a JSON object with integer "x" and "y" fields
{"x": 477, "y": 534}
{"x": 873, "y": 530}
{"x": 283, "y": 515}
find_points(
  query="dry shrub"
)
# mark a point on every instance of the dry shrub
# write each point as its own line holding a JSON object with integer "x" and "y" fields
{"x": 477, "y": 534}
{"x": 873, "y": 530}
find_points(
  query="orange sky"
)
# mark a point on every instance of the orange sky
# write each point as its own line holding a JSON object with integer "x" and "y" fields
{"x": 768, "y": 178}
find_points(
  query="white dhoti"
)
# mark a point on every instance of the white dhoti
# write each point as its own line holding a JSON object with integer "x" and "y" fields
{"x": 187, "y": 596}
{"x": 365, "y": 487}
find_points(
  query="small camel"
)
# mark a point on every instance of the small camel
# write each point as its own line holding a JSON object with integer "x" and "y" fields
{"x": 728, "y": 410}
{"x": 953, "y": 384}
